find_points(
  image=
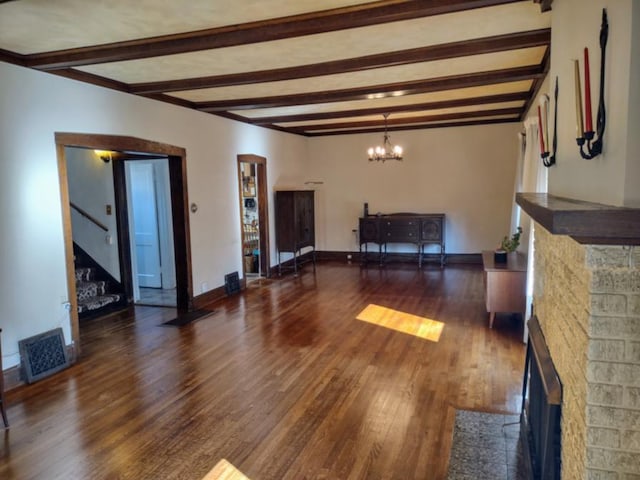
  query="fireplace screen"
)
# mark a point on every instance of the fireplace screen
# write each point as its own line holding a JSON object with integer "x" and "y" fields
{"x": 542, "y": 398}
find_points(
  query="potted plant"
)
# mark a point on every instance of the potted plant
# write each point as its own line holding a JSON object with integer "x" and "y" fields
{"x": 508, "y": 245}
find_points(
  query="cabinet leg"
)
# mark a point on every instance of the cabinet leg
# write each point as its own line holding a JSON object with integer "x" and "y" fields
{"x": 492, "y": 317}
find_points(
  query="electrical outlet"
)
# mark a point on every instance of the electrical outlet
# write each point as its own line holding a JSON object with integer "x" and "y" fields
{"x": 349, "y": 256}
{"x": 204, "y": 286}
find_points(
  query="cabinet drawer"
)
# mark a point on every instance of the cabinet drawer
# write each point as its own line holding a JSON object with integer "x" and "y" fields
{"x": 431, "y": 229}
{"x": 369, "y": 231}
{"x": 402, "y": 233}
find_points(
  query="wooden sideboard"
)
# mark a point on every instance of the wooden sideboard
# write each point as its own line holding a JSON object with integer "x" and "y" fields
{"x": 411, "y": 228}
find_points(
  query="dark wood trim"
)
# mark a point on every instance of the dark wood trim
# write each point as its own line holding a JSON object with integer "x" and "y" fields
{"x": 459, "y": 102}
{"x": 537, "y": 84}
{"x": 179, "y": 204}
{"x": 171, "y": 99}
{"x": 89, "y": 217}
{"x": 87, "y": 77}
{"x": 430, "y": 53}
{"x": 493, "y": 121}
{"x": 13, "y": 376}
{"x": 181, "y": 231}
{"x": 585, "y": 222}
{"x": 408, "y": 120}
{"x": 117, "y": 143}
{"x": 263, "y": 208}
{"x": 12, "y": 57}
{"x": 122, "y": 222}
{"x": 261, "y": 31}
{"x": 209, "y": 297}
{"x": 361, "y": 93}
{"x": 451, "y": 258}
{"x": 545, "y": 5}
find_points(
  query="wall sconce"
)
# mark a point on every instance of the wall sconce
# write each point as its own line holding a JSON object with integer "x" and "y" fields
{"x": 104, "y": 155}
{"x": 548, "y": 146}
{"x": 585, "y": 136}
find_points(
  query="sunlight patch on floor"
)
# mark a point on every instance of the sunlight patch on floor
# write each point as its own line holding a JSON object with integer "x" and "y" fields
{"x": 402, "y": 322}
{"x": 225, "y": 471}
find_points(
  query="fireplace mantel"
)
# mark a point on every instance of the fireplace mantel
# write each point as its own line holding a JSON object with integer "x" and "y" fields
{"x": 585, "y": 222}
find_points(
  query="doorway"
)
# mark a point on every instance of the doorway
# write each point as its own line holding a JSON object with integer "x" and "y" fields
{"x": 149, "y": 212}
{"x": 252, "y": 188}
{"x": 125, "y": 147}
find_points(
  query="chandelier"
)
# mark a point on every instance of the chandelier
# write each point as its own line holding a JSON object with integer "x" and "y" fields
{"x": 386, "y": 151}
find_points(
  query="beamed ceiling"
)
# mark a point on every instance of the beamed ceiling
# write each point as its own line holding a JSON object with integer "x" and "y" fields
{"x": 310, "y": 67}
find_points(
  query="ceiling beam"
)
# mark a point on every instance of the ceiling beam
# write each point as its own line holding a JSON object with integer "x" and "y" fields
{"x": 465, "y": 123}
{"x": 478, "y": 46}
{"x": 362, "y": 15}
{"x": 378, "y": 91}
{"x": 406, "y": 120}
{"x": 459, "y": 102}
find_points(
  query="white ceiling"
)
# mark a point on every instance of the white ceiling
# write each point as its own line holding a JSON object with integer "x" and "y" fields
{"x": 297, "y": 65}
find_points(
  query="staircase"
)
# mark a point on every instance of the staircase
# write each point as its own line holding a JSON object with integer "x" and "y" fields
{"x": 97, "y": 292}
{"x": 93, "y": 294}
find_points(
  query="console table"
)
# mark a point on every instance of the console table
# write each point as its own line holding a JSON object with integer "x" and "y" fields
{"x": 418, "y": 229}
{"x": 505, "y": 284}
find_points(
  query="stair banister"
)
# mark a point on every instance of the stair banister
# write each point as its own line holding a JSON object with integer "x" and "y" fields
{"x": 89, "y": 217}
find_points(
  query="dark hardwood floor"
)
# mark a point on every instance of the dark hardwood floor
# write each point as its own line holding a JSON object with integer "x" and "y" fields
{"x": 282, "y": 381}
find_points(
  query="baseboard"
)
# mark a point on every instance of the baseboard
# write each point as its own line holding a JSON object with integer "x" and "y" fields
{"x": 14, "y": 378}
{"x": 450, "y": 258}
{"x": 212, "y": 296}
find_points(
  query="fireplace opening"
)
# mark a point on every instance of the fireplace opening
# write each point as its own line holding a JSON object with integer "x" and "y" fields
{"x": 541, "y": 408}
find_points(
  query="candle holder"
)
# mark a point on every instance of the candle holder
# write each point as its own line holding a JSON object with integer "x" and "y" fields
{"x": 590, "y": 145}
{"x": 549, "y": 157}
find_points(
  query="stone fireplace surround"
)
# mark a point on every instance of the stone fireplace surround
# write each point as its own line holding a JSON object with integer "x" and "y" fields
{"x": 587, "y": 300}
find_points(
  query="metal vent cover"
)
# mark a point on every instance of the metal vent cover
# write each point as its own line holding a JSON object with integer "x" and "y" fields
{"x": 43, "y": 355}
{"x": 232, "y": 283}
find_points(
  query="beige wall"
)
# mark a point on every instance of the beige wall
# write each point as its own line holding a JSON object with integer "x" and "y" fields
{"x": 465, "y": 172}
{"x": 613, "y": 177}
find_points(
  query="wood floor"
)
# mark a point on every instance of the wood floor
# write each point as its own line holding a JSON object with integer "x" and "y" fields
{"x": 282, "y": 381}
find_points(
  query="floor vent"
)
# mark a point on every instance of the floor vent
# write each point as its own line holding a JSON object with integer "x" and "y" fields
{"x": 43, "y": 355}
{"x": 231, "y": 283}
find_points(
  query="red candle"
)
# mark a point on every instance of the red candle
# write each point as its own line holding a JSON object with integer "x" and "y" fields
{"x": 579, "y": 123}
{"x": 587, "y": 92}
{"x": 540, "y": 130}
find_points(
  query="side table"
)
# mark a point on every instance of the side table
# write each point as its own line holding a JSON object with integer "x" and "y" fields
{"x": 505, "y": 284}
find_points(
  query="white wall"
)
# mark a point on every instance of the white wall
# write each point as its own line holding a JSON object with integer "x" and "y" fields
{"x": 33, "y": 106}
{"x": 91, "y": 188}
{"x": 575, "y": 25}
{"x": 465, "y": 172}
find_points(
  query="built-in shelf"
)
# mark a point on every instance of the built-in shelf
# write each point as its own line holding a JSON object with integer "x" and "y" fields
{"x": 585, "y": 222}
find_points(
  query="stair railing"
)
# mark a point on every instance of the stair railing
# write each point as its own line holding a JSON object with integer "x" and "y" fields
{"x": 89, "y": 217}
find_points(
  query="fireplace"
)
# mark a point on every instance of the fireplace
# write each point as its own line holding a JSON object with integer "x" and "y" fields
{"x": 586, "y": 299}
{"x": 541, "y": 409}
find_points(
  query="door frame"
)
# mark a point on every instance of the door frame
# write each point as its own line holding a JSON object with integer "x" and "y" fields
{"x": 179, "y": 207}
{"x": 263, "y": 210}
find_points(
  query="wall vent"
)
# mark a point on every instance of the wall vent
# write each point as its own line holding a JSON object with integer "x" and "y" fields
{"x": 43, "y": 355}
{"x": 231, "y": 283}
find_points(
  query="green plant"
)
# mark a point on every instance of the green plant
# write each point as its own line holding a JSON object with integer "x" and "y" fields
{"x": 510, "y": 244}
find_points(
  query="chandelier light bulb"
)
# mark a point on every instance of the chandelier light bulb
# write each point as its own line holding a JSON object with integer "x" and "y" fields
{"x": 386, "y": 151}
